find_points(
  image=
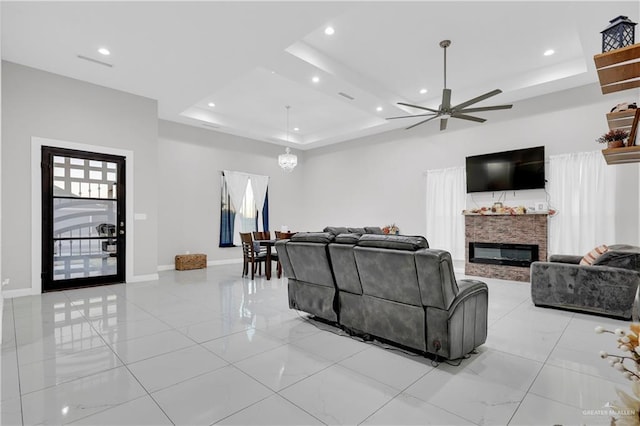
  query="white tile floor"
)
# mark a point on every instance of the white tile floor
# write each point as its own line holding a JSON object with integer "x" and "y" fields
{"x": 208, "y": 347}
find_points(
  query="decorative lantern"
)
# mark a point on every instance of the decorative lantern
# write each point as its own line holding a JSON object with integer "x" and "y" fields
{"x": 619, "y": 33}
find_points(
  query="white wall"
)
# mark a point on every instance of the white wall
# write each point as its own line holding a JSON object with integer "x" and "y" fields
{"x": 379, "y": 180}
{"x": 190, "y": 161}
{"x": 41, "y": 104}
{"x": 375, "y": 180}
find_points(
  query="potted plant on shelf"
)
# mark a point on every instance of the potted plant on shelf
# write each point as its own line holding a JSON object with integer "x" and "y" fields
{"x": 614, "y": 138}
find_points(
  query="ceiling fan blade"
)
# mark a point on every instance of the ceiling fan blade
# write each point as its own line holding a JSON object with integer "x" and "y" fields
{"x": 477, "y": 99}
{"x": 421, "y": 122}
{"x": 443, "y": 123}
{"x": 410, "y": 116}
{"x": 468, "y": 117}
{"x": 487, "y": 108}
{"x": 419, "y": 107}
{"x": 446, "y": 99}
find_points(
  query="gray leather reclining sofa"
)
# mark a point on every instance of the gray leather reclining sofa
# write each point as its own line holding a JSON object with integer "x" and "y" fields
{"x": 392, "y": 287}
{"x": 608, "y": 287}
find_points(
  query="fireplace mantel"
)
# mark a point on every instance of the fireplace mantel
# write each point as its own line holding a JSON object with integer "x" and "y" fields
{"x": 505, "y": 229}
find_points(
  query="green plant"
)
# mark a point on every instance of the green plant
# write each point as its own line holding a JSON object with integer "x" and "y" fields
{"x": 613, "y": 135}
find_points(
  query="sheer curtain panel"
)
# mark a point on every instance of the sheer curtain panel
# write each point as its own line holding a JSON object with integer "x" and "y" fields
{"x": 247, "y": 196}
{"x": 259, "y": 185}
{"x": 582, "y": 189}
{"x": 446, "y": 199}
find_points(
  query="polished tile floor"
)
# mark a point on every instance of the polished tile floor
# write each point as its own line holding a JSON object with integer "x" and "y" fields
{"x": 208, "y": 347}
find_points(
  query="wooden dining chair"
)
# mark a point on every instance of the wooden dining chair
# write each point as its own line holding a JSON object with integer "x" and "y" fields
{"x": 250, "y": 255}
{"x": 282, "y": 236}
{"x": 266, "y": 235}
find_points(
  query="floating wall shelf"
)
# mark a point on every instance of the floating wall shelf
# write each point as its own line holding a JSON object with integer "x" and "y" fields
{"x": 626, "y": 154}
{"x": 620, "y": 120}
{"x": 619, "y": 69}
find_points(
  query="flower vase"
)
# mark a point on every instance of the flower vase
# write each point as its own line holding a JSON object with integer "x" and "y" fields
{"x": 615, "y": 144}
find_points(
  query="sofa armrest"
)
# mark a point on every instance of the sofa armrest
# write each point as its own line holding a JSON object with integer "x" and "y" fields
{"x": 602, "y": 289}
{"x": 565, "y": 258}
{"x": 467, "y": 289}
{"x": 455, "y": 332}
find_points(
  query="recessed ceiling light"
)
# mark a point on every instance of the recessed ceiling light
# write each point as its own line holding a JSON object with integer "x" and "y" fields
{"x": 549, "y": 52}
{"x": 295, "y": 129}
{"x": 379, "y": 109}
{"x": 104, "y": 51}
{"x": 423, "y": 91}
{"x": 329, "y": 31}
{"x": 211, "y": 104}
{"x": 315, "y": 79}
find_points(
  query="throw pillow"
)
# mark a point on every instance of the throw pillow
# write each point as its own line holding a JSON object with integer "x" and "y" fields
{"x": 591, "y": 257}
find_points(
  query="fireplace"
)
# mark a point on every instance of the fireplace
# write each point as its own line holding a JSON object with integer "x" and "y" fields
{"x": 503, "y": 253}
{"x": 519, "y": 230}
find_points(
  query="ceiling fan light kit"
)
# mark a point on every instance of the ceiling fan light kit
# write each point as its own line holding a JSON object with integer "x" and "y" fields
{"x": 446, "y": 110}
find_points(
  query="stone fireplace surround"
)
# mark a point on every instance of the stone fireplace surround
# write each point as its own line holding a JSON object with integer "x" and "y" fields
{"x": 506, "y": 229}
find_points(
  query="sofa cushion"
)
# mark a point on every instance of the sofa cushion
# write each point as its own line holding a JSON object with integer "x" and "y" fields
{"x": 396, "y": 242}
{"x": 373, "y": 230}
{"x": 624, "y": 247}
{"x": 356, "y": 230}
{"x": 619, "y": 259}
{"x": 347, "y": 238}
{"x": 313, "y": 237}
{"x": 335, "y": 230}
{"x": 594, "y": 254}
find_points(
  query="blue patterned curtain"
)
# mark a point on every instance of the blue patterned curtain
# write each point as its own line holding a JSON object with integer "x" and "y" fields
{"x": 265, "y": 212}
{"x": 227, "y": 217}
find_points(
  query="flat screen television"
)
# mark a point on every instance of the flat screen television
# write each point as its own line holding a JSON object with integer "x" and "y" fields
{"x": 506, "y": 171}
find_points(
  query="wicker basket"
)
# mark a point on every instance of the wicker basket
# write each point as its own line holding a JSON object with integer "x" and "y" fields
{"x": 190, "y": 261}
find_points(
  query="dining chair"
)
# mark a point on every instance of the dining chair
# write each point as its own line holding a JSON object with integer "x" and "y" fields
{"x": 250, "y": 256}
{"x": 282, "y": 236}
{"x": 266, "y": 235}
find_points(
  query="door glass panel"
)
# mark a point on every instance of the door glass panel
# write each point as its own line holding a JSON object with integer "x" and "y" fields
{"x": 76, "y": 217}
{"x": 76, "y": 258}
{"x": 84, "y": 216}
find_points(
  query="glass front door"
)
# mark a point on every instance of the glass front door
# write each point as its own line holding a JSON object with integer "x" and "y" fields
{"x": 83, "y": 223}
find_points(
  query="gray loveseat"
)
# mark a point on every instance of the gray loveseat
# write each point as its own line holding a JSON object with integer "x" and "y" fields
{"x": 388, "y": 286}
{"x": 608, "y": 287}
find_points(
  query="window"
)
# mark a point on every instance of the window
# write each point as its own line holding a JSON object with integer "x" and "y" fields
{"x": 250, "y": 193}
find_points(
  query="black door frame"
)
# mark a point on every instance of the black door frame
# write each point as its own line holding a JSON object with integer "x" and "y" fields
{"x": 47, "y": 245}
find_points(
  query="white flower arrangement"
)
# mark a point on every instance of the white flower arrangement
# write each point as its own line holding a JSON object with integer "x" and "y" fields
{"x": 627, "y": 410}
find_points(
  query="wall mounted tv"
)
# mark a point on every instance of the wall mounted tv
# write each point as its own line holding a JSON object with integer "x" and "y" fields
{"x": 506, "y": 171}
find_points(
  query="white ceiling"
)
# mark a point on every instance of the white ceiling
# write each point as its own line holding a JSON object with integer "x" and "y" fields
{"x": 253, "y": 58}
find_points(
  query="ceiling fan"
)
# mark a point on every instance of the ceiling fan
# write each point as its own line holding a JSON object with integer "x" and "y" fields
{"x": 446, "y": 111}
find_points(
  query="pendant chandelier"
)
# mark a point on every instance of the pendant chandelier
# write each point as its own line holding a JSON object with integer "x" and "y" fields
{"x": 287, "y": 161}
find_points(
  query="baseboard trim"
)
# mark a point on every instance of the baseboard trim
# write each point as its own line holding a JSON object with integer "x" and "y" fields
{"x": 209, "y": 263}
{"x": 224, "y": 262}
{"x": 19, "y": 292}
{"x": 140, "y": 278}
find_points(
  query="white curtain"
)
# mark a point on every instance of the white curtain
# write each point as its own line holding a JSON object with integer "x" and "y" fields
{"x": 446, "y": 199}
{"x": 582, "y": 190}
{"x": 237, "y": 186}
{"x": 237, "y": 183}
{"x": 259, "y": 186}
